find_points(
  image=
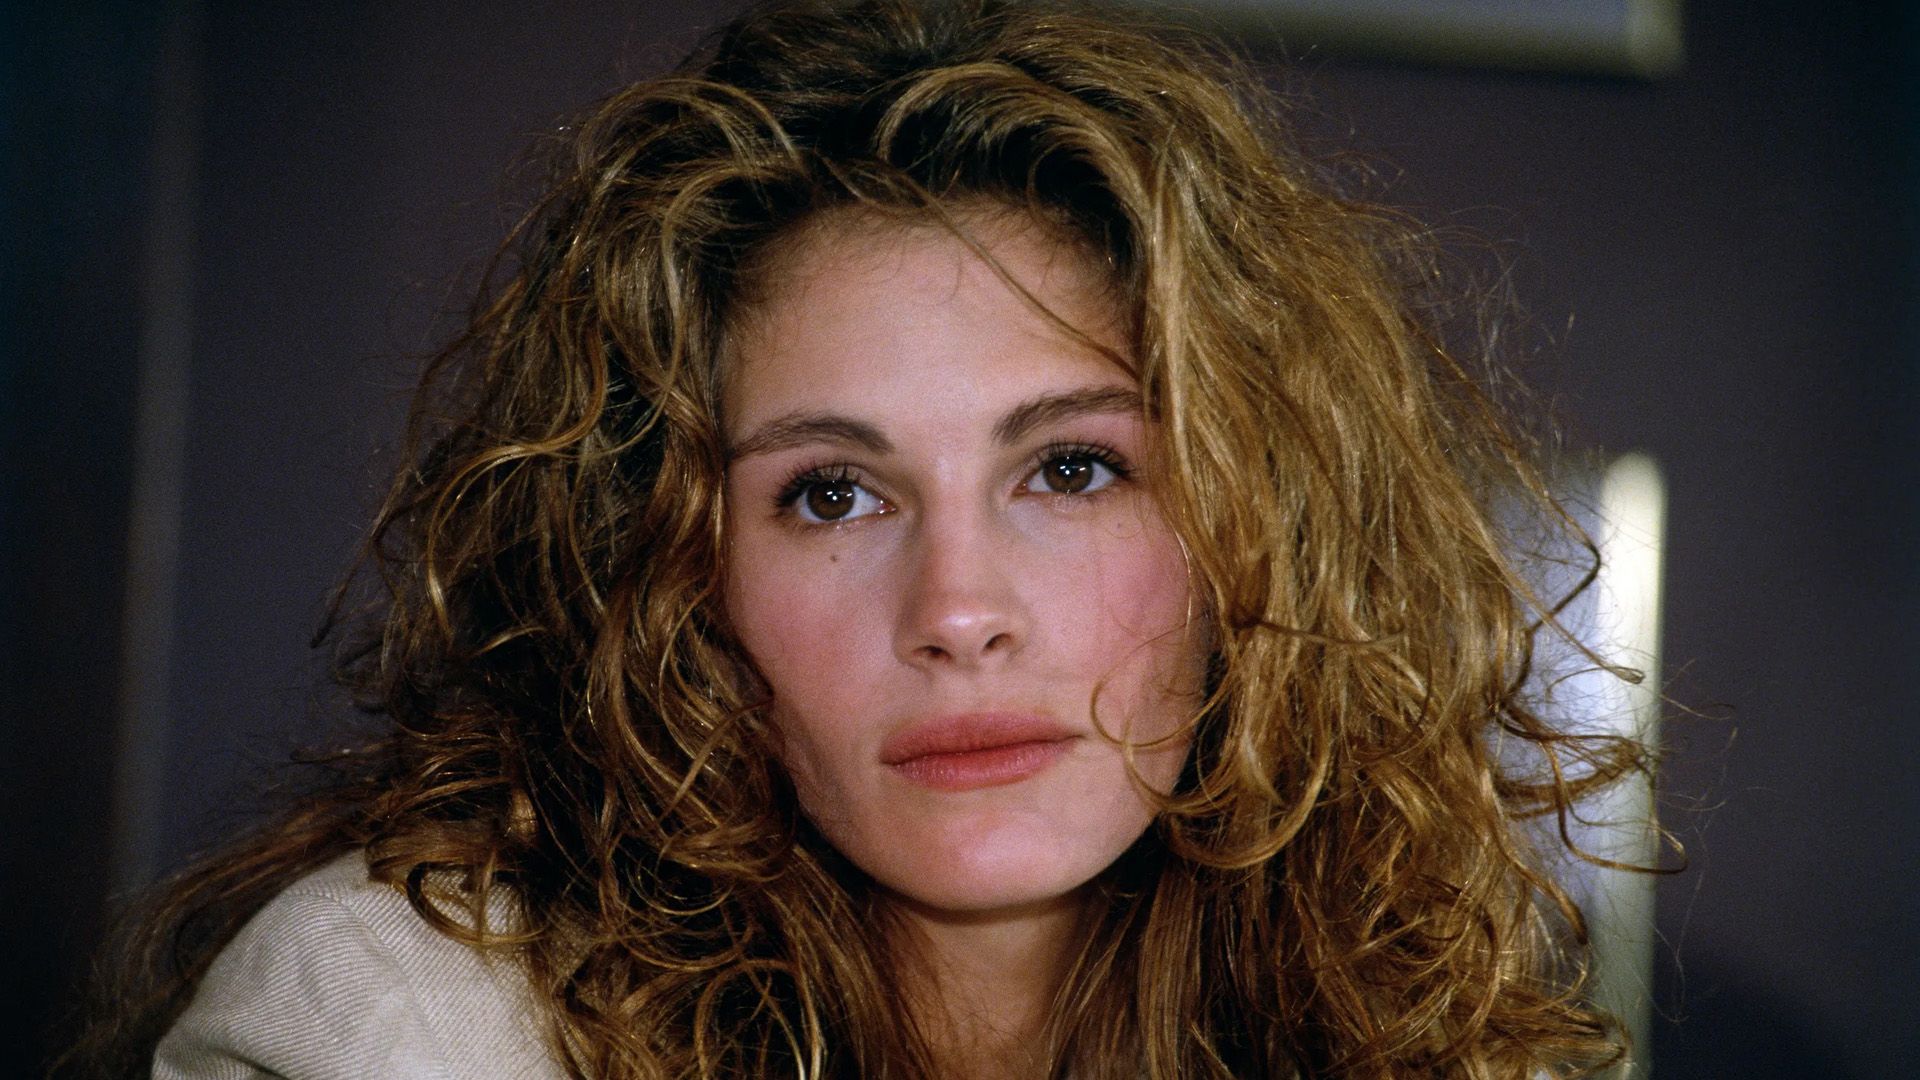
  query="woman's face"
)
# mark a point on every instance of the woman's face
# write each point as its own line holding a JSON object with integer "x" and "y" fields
{"x": 942, "y": 543}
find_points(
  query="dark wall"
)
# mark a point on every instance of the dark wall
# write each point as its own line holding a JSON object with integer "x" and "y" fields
{"x": 76, "y": 96}
{"x": 1723, "y": 259}
{"x": 1726, "y": 261}
{"x": 357, "y": 160}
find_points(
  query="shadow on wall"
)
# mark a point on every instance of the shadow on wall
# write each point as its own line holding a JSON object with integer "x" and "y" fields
{"x": 1734, "y": 1024}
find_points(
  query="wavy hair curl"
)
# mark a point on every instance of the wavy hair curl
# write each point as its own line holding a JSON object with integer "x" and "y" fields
{"x": 1337, "y": 888}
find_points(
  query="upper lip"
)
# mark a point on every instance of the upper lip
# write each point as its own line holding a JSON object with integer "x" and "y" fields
{"x": 964, "y": 732}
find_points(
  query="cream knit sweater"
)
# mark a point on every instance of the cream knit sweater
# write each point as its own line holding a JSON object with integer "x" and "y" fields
{"x": 340, "y": 978}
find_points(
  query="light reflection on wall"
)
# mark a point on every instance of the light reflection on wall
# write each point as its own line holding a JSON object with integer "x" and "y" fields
{"x": 1632, "y": 537}
{"x": 1640, "y": 38}
{"x": 1622, "y": 507}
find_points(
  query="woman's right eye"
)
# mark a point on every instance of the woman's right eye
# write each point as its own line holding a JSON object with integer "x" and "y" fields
{"x": 830, "y": 499}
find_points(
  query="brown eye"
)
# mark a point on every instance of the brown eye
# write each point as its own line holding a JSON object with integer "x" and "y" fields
{"x": 831, "y": 500}
{"x": 1074, "y": 472}
{"x": 1068, "y": 475}
{"x": 828, "y": 497}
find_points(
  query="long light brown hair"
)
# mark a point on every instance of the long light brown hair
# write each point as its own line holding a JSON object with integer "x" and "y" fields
{"x": 1339, "y": 886}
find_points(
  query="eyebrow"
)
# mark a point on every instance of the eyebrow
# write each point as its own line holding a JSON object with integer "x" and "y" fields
{"x": 799, "y": 429}
{"x": 1053, "y": 408}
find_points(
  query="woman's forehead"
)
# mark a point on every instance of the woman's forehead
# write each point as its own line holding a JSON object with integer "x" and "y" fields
{"x": 856, "y": 238}
{"x": 864, "y": 304}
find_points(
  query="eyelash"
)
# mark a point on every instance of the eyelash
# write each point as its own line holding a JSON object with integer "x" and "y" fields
{"x": 797, "y": 485}
{"x": 1097, "y": 453}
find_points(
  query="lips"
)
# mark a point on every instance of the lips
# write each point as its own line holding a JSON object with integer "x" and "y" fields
{"x": 975, "y": 750}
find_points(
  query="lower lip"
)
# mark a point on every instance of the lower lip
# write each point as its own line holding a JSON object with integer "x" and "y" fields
{"x": 991, "y": 767}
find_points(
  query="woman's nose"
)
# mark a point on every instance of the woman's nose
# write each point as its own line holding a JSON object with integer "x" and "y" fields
{"x": 961, "y": 607}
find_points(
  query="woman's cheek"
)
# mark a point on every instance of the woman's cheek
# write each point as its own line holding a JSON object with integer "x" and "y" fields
{"x": 1145, "y": 602}
{"x": 804, "y": 612}
{"x": 1142, "y": 577}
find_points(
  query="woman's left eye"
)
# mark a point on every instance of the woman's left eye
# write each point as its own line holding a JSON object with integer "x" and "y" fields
{"x": 1073, "y": 473}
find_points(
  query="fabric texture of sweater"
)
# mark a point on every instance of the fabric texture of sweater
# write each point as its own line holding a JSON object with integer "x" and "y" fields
{"x": 339, "y": 977}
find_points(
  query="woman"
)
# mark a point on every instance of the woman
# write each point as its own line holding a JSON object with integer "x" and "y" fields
{"x": 953, "y": 555}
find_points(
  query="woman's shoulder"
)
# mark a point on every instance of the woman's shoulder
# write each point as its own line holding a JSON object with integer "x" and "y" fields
{"x": 339, "y": 976}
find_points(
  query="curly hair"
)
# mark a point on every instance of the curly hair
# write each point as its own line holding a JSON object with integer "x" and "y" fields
{"x": 1338, "y": 887}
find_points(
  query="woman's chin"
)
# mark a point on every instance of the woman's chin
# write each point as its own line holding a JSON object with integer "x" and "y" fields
{"x": 990, "y": 874}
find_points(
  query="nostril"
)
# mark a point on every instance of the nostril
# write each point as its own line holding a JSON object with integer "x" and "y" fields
{"x": 997, "y": 641}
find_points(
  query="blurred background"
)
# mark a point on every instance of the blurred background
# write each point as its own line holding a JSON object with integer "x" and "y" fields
{"x": 233, "y": 228}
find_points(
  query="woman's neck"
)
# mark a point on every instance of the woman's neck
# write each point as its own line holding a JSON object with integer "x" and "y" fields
{"x": 984, "y": 983}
